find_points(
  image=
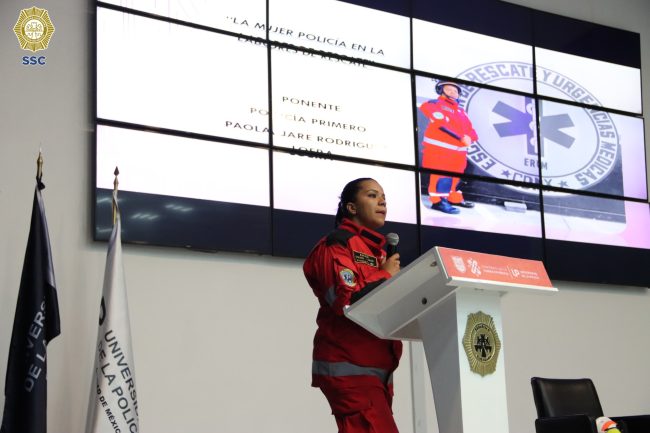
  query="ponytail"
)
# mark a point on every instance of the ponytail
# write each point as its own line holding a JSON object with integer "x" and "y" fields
{"x": 348, "y": 195}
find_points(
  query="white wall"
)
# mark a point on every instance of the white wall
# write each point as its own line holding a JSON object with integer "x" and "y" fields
{"x": 222, "y": 341}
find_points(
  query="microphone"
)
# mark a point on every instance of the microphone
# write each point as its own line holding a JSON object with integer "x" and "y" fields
{"x": 392, "y": 239}
{"x": 604, "y": 424}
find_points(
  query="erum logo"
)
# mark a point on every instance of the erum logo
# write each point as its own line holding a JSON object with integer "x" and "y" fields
{"x": 579, "y": 147}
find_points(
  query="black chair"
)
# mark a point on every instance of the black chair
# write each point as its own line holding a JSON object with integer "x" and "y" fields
{"x": 572, "y": 406}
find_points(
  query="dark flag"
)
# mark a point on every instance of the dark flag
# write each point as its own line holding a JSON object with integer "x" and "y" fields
{"x": 36, "y": 323}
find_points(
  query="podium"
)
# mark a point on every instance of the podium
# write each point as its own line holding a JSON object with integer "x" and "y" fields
{"x": 450, "y": 300}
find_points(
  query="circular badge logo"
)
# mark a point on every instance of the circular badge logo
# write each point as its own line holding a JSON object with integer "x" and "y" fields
{"x": 347, "y": 275}
{"x": 34, "y": 29}
{"x": 579, "y": 147}
{"x": 482, "y": 344}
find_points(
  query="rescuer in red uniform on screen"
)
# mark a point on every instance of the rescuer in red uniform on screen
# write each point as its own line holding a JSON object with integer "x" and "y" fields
{"x": 351, "y": 366}
{"x": 445, "y": 143}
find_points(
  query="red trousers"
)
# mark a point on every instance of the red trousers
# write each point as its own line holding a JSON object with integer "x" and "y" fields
{"x": 444, "y": 159}
{"x": 363, "y": 409}
{"x": 439, "y": 190}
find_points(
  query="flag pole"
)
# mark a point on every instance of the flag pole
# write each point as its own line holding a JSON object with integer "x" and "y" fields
{"x": 113, "y": 400}
{"x": 39, "y": 166}
{"x": 115, "y": 184}
{"x": 36, "y": 323}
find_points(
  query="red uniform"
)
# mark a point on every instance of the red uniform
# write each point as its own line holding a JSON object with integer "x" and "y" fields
{"x": 352, "y": 367}
{"x": 443, "y": 148}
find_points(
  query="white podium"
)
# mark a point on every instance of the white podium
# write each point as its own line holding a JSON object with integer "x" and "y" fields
{"x": 450, "y": 300}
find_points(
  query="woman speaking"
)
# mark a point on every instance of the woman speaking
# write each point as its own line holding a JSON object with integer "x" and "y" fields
{"x": 352, "y": 367}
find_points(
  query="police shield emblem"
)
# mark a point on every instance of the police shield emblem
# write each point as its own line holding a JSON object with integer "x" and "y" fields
{"x": 482, "y": 344}
{"x": 34, "y": 29}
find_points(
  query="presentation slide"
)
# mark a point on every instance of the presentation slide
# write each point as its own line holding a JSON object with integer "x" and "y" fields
{"x": 309, "y": 184}
{"x": 592, "y": 150}
{"x": 240, "y": 16}
{"x": 588, "y": 81}
{"x": 183, "y": 79}
{"x": 342, "y": 28}
{"x": 206, "y": 124}
{"x": 472, "y": 56}
{"x": 329, "y": 106}
{"x": 174, "y": 166}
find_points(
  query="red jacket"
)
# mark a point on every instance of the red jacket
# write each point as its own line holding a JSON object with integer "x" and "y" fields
{"x": 442, "y": 145}
{"x": 342, "y": 267}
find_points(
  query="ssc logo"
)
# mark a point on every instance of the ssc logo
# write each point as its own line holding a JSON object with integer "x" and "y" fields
{"x": 579, "y": 147}
{"x": 34, "y": 29}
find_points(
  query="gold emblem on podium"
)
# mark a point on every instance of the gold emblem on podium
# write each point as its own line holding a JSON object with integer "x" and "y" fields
{"x": 34, "y": 29}
{"x": 482, "y": 344}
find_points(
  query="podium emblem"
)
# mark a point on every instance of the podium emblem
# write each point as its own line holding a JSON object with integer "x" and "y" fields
{"x": 482, "y": 343}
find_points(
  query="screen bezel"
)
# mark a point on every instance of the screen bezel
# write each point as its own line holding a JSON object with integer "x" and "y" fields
{"x": 276, "y": 222}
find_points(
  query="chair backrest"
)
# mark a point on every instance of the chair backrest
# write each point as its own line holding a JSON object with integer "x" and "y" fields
{"x": 560, "y": 397}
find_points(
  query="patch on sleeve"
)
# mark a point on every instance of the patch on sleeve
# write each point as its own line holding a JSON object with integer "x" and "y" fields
{"x": 348, "y": 277}
{"x": 365, "y": 259}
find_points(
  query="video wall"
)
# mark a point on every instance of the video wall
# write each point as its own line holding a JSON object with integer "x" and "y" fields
{"x": 236, "y": 124}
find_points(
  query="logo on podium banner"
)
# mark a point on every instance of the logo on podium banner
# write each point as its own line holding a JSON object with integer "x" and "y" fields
{"x": 459, "y": 264}
{"x": 482, "y": 343}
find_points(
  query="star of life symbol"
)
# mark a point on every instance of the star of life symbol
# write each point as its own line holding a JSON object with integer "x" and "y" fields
{"x": 579, "y": 147}
{"x": 348, "y": 277}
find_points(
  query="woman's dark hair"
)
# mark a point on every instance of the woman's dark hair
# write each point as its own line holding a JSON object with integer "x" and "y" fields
{"x": 349, "y": 194}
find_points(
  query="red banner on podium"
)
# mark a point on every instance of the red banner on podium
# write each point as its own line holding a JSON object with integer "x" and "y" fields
{"x": 489, "y": 267}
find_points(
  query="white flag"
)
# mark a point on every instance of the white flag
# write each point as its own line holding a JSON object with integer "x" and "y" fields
{"x": 113, "y": 404}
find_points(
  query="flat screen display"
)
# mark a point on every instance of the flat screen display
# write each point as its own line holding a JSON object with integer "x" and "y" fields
{"x": 331, "y": 106}
{"x": 178, "y": 86}
{"x": 255, "y": 114}
{"x": 342, "y": 28}
{"x": 176, "y": 166}
{"x": 501, "y": 127}
{"x": 609, "y": 222}
{"x": 588, "y": 81}
{"x": 492, "y": 211}
{"x": 241, "y": 16}
{"x": 592, "y": 150}
{"x": 321, "y": 194}
{"x": 472, "y": 56}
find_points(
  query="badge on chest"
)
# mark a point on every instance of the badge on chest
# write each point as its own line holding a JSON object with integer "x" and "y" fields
{"x": 366, "y": 259}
